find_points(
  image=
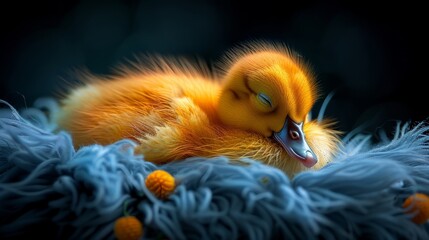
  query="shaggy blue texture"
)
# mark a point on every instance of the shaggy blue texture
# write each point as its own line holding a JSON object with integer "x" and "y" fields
{"x": 49, "y": 189}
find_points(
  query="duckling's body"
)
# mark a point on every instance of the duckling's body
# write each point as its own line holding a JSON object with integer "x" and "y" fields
{"x": 178, "y": 112}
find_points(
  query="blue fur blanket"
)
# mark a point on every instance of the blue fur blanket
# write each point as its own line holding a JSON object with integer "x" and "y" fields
{"x": 50, "y": 190}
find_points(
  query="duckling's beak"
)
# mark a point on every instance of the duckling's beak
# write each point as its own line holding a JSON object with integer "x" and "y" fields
{"x": 292, "y": 139}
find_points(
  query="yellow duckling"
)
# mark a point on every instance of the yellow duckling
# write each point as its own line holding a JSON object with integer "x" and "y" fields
{"x": 257, "y": 108}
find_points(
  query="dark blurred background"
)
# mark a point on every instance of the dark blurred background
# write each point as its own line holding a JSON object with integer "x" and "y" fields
{"x": 370, "y": 55}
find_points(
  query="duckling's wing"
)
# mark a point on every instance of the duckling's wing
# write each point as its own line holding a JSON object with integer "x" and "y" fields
{"x": 132, "y": 103}
{"x": 109, "y": 111}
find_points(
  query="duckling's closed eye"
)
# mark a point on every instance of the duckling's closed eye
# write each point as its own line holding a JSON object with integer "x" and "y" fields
{"x": 264, "y": 99}
{"x": 262, "y": 102}
{"x": 265, "y": 95}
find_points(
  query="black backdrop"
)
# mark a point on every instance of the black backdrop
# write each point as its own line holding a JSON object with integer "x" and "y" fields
{"x": 374, "y": 57}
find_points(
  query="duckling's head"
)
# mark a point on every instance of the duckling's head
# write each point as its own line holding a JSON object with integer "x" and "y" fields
{"x": 270, "y": 92}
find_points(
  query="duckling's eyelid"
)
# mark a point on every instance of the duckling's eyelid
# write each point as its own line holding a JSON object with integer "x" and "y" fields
{"x": 265, "y": 99}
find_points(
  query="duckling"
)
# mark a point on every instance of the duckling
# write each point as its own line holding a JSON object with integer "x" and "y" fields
{"x": 256, "y": 107}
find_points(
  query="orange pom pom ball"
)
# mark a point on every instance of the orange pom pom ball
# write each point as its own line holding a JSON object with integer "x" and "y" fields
{"x": 160, "y": 183}
{"x": 128, "y": 228}
{"x": 419, "y": 205}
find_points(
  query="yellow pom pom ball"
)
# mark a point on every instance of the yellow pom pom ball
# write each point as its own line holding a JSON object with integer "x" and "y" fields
{"x": 160, "y": 183}
{"x": 128, "y": 228}
{"x": 419, "y": 205}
